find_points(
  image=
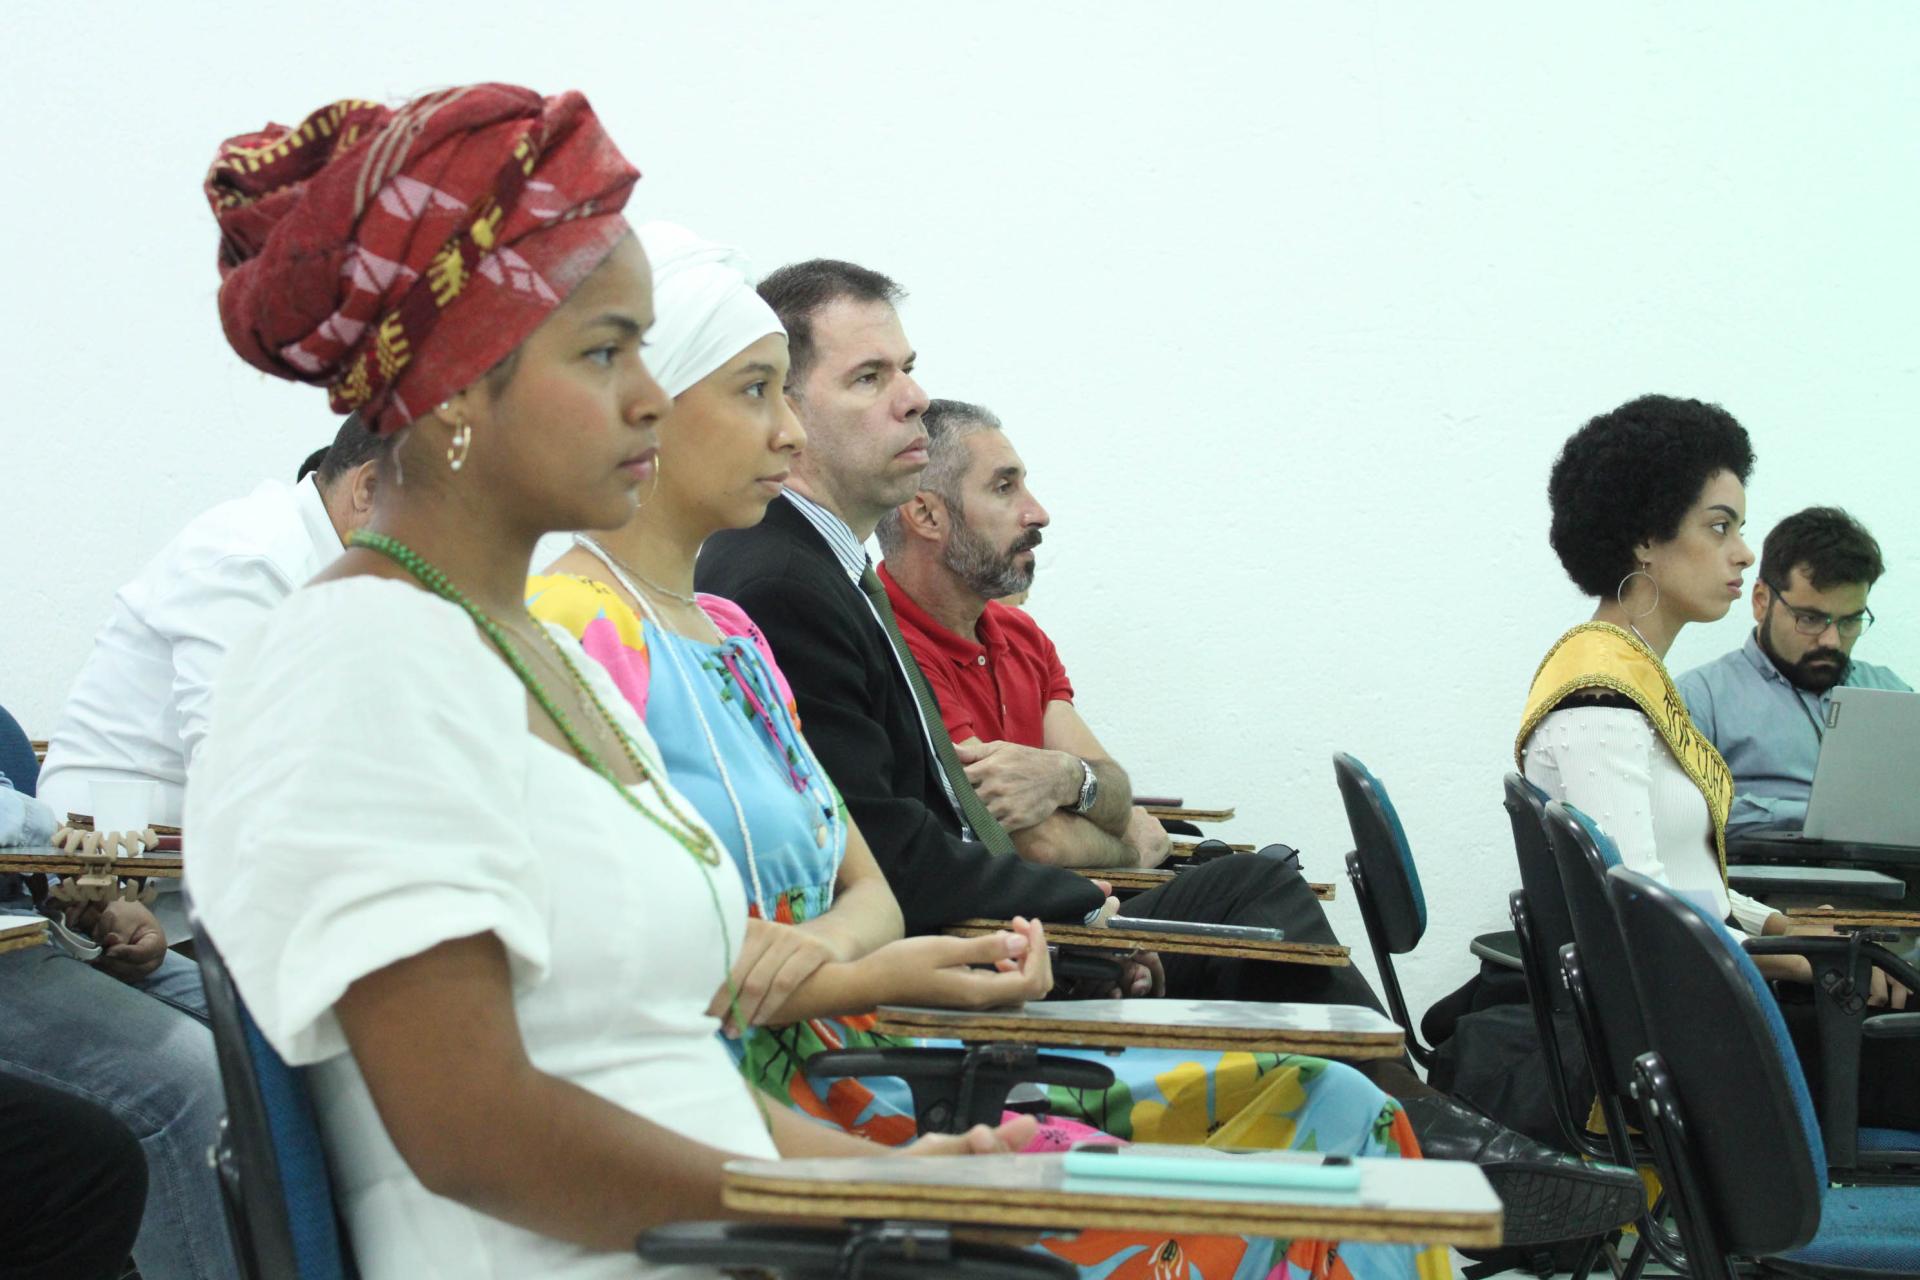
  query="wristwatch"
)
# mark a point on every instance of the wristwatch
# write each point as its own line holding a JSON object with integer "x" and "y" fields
{"x": 1089, "y": 790}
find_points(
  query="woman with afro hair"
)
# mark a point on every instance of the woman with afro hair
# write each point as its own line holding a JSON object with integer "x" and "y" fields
{"x": 1647, "y": 505}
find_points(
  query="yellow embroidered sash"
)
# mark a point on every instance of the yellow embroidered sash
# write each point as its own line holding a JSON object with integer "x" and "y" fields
{"x": 1599, "y": 655}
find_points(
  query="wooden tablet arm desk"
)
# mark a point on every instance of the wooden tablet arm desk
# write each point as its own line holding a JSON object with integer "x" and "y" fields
{"x": 98, "y": 877}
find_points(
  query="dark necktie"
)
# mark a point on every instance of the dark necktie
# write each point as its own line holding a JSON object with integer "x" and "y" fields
{"x": 986, "y": 827}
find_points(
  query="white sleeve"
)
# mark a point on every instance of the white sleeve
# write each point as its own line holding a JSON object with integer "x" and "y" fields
{"x": 1604, "y": 760}
{"x": 360, "y": 798}
{"x": 1749, "y": 913}
{"x": 202, "y": 616}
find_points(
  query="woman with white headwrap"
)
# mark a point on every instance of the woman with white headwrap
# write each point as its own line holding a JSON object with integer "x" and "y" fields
{"x": 823, "y": 942}
{"x": 824, "y": 934}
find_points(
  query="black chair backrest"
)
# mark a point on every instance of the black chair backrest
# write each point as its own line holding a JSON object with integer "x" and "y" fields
{"x": 1393, "y": 885}
{"x": 1757, "y": 1155}
{"x": 1526, "y": 807}
{"x": 16, "y": 756}
{"x": 1584, "y": 853}
{"x": 279, "y": 1206}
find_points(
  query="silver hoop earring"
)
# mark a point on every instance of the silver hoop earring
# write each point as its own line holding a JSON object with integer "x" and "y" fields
{"x": 1620, "y": 593}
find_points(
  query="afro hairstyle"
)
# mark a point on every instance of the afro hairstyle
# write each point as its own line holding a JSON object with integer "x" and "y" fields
{"x": 1630, "y": 476}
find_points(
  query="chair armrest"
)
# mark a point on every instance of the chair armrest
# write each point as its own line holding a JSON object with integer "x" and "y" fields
{"x": 1840, "y": 982}
{"x": 955, "y": 1089}
{"x": 876, "y": 1250}
{"x": 1077, "y": 969}
{"x": 1814, "y": 946}
{"x": 1892, "y": 1026}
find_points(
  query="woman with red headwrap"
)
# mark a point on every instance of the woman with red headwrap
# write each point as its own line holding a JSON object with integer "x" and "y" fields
{"x": 432, "y": 840}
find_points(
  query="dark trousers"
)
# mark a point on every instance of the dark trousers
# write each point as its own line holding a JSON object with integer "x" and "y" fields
{"x": 1250, "y": 889}
{"x": 75, "y": 1186}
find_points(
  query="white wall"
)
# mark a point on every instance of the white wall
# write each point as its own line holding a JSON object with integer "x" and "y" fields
{"x": 1288, "y": 307}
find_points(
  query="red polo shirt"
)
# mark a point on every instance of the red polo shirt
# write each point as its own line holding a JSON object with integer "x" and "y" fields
{"x": 995, "y": 688}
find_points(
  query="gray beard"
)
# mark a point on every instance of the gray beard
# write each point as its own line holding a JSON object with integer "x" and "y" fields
{"x": 988, "y": 573}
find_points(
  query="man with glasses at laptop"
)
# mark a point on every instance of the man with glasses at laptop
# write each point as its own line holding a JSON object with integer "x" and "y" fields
{"x": 1765, "y": 705}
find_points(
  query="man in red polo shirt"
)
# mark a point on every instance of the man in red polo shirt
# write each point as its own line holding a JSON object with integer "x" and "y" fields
{"x": 952, "y": 550}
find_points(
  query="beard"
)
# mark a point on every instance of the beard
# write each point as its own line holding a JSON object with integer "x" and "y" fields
{"x": 1817, "y": 671}
{"x": 989, "y": 572}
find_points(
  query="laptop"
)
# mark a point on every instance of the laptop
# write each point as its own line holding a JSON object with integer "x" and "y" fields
{"x": 1866, "y": 788}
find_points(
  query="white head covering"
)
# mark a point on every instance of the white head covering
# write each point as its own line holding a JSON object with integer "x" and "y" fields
{"x": 704, "y": 307}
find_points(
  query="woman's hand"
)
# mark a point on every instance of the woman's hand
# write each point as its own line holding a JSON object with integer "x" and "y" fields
{"x": 1888, "y": 992}
{"x": 944, "y": 972}
{"x": 981, "y": 1140}
{"x": 774, "y": 960}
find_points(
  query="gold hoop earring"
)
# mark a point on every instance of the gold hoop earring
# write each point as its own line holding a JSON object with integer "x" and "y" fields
{"x": 1620, "y": 593}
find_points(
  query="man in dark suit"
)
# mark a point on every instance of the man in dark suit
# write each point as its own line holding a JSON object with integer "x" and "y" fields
{"x": 804, "y": 577}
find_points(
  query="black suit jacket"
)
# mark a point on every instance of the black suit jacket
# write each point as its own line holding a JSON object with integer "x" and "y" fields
{"x": 860, "y": 719}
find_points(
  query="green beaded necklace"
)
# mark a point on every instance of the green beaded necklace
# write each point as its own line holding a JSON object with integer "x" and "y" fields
{"x": 688, "y": 835}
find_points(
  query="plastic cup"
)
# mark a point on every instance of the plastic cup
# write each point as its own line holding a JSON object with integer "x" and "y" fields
{"x": 124, "y": 804}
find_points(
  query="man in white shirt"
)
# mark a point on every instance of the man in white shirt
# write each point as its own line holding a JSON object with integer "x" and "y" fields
{"x": 140, "y": 705}
{"x": 139, "y": 708}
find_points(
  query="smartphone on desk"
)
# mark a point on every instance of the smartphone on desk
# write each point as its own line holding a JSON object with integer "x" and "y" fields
{"x": 1196, "y": 929}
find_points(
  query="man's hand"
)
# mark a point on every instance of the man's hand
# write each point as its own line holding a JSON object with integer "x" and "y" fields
{"x": 1147, "y": 838}
{"x": 1143, "y": 975}
{"x": 1021, "y": 785}
{"x": 774, "y": 960}
{"x": 122, "y": 844}
{"x": 134, "y": 942}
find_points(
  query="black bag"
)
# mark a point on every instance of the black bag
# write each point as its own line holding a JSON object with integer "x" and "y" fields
{"x": 1488, "y": 1054}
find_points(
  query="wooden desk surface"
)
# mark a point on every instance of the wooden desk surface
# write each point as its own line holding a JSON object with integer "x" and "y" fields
{"x": 21, "y": 935}
{"x": 1140, "y": 879}
{"x": 47, "y": 860}
{"x": 1399, "y": 1201}
{"x": 1181, "y": 814}
{"x": 1227, "y": 1026}
{"x": 1177, "y": 944}
{"x": 1843, "y": 917}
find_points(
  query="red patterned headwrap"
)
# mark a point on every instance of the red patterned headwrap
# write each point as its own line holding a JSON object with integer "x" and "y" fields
{"x": 394, "y": 256}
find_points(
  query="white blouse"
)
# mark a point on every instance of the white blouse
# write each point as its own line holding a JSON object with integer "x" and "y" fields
{"x": 369, "y": 788}
{"x": 138, "y": 710}
{"x": 1610, "y": 763}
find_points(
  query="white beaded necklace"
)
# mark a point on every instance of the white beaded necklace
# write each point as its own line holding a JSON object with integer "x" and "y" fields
{"x": 600, "y": 553}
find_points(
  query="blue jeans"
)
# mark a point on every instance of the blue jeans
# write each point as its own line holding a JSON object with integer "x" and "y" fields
{"x": 145, "y": 1054}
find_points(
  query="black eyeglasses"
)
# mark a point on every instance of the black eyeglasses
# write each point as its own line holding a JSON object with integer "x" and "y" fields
{"x": 1812, "y": 622}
